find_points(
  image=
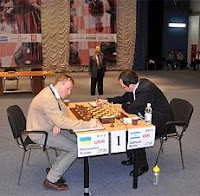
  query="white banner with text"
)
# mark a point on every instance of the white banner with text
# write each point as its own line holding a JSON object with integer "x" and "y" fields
{"x": 141, "y": 137}
{"x": 91, "y": 144}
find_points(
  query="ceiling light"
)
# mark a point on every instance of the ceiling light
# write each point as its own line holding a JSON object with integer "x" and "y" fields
{"x": 177, "y": 25}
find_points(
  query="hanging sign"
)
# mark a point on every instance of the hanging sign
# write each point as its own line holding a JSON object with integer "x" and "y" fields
{"x": 91, "y": 144}
{"x": 141, "y": 137}
{"x": 118, "y": 141}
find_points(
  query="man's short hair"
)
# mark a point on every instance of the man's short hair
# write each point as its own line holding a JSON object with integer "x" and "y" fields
{"x": 64, "y": 77}
{"x": 128, "y": 77}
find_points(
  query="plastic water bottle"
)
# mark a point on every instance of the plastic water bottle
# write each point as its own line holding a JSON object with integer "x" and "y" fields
{"x": 148, "y": 114}
{"x": 156, "y": 174}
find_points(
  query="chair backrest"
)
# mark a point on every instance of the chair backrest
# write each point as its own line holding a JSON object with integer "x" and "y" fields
{"x": 36, "y": 69}
{"x": 10, "y": 69}
{"x": 16, "y": 120}
{"x": 181, "y": 110}
{"x": 7, "y": 69}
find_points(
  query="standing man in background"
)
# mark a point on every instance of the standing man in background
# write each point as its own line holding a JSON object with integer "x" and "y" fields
{"x": 97, "y": 70}
{"x": 196, "y": 60}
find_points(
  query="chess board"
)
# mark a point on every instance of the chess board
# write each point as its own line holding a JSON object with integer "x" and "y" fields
{"x": 104, "y": 114}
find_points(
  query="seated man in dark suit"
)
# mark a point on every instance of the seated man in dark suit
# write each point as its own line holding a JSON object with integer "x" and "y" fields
{"x": 139, "y": 92}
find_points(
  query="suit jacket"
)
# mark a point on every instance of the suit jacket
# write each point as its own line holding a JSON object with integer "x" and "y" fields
{"x": 45, "y": 111}
{"x": 94, "y": 69}
{"x": 147, "y": 92}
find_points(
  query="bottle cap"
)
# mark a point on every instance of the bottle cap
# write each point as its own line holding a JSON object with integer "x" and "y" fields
{"x": 156, "y": 169}
{"x": 148, "y": 104}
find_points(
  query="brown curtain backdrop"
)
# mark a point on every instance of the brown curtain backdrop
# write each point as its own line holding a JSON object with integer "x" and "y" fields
{"x": 126, "y": 33}
{"x": 55, "y": 34}
{"x": 55, "y": 17}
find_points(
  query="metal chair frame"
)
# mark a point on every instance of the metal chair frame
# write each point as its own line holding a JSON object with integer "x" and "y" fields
{"x": 15, "y": 115}
{"x": 180, "y": 120}
{"x": 10, "y": 69}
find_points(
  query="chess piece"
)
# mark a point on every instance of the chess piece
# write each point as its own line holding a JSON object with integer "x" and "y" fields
{"x": 112, "y": 123}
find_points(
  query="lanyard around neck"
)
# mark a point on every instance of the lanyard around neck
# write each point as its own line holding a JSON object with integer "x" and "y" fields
{"x": 55, "y": 97}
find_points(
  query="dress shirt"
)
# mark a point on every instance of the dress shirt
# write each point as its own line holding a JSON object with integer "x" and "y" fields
{"x": 137, "y": 84}
{"x": 56, "y": 94}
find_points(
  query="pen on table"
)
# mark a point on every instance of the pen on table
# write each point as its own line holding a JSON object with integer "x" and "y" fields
{"x": 90, "y": 104}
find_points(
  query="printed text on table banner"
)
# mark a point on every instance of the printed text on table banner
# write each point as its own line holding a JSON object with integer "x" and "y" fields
{"x": 141, "y": 137}
{"x": 118, "y": 141}
{"x": 91, "y": 144}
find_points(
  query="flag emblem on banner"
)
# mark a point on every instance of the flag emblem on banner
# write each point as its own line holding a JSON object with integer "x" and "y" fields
{"x": 85, "y": 140}
{"x": 135, "y": 135}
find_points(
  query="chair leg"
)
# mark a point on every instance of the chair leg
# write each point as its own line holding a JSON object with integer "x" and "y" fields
{"x": 161, "y": 146}
{"x": 4, "y": 85}
{"x": 181, "y": 152}
{"x": 31, "y": 83}
{"x": 48, "y": 159}
{"x": 56, "y": 152}
{"x": 18, "y": 84}
{"x": 20, "y": 174}
{"x": 29, "y": 154}
{"x": 43, "y": 81}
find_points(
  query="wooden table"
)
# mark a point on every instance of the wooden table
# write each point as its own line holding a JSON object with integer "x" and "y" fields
{"x": 109, "y": 128}
{"x": 37, "y": 78}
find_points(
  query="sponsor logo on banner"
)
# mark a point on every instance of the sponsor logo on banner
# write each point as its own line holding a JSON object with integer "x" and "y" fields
{"x": 33, "y": 38}
{"x": 16, "y": 38}
{"x": 93, "y": 37}
{"x": 3, "y": 38}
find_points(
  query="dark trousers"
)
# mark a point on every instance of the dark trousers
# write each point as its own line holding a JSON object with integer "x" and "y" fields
{"x": 195, "y": 63}
{"x": 98, "y": 81}
{"x": 141, "y": 157}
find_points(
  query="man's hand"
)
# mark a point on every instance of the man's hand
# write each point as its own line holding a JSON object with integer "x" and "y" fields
{"x": 100, "y": 102}
{"x": 56, "y": 130}
{"x": 118, "y": 105}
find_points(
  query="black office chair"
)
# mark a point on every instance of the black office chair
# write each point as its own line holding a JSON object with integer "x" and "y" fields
{"x": 17, "y": 123}
{"x": 10, "y": 69}
{"x": 181, "y": 112}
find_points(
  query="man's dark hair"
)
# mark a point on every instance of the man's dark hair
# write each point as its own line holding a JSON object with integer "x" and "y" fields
{"x": 128, "y": 77}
